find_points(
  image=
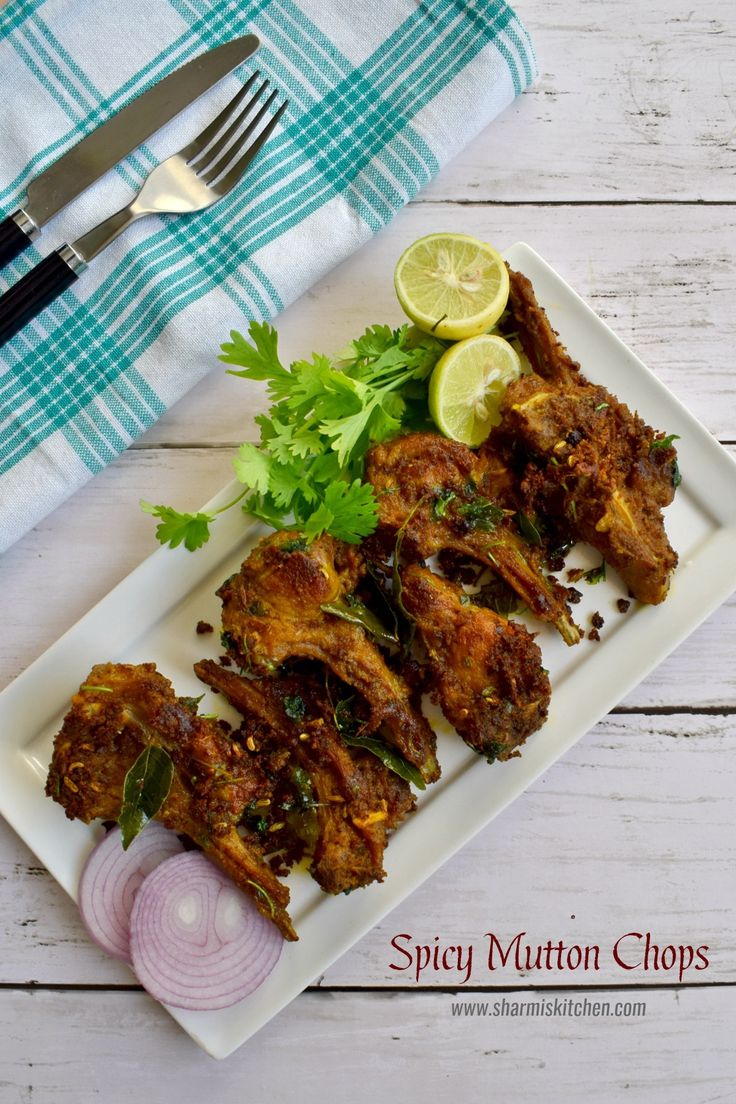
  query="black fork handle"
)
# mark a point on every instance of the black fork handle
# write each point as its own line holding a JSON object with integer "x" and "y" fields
{"x": 39, "y": 287}
{"x": 13, "y": 240}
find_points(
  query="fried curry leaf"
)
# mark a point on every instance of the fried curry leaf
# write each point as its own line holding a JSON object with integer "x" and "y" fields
{"x": 302, "y": 815}
{"x": 528, "y": 529}
{"x": 390, "y": 758}
{"x": 356, "y": 612}
{"x": 145, "y": 789}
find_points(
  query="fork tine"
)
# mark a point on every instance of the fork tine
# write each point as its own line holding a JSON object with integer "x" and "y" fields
{"x": 205, "y": 159}
{"x": 202, "y": 140}
{"x": 213, "y": 171}
{"x": 233, "y": 176}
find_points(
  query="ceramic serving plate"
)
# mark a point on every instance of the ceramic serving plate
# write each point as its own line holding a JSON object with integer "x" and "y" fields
{"x": 151, "y": 615}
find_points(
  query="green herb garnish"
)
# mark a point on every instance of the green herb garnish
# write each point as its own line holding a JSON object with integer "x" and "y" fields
{"x": 602, "y": 406}
{"x": 297, "y": 545}
{"x": 294, "y": 707}
{"x": 356, "y": 612}
{"x": 344, "y": 718}
{"x": 302, "y": 815}
{"x": 441, "y": 502}
{"x": 263, "y": 893}
{"x": 596, "y": 574}
{"x": 93, "y": 686}
{"x": 528, "y": 529}
{"x": 676, "y": 475}
{"x": 145, "y": 789}
{"x": 191, "y": 704}
{"x": 481, "y": 513}
{"x": 664, "y": 442}
{"x": 390, "y": 758}
{"x": 306, "y": 471}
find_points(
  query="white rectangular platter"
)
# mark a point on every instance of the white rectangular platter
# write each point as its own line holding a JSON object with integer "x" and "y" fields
{"x": 152, "y": 615}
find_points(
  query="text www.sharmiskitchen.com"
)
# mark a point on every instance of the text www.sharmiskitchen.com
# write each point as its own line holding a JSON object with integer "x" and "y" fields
{"x": 557, "y": 1006}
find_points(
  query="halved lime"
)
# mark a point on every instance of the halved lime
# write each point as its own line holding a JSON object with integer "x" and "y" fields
{"x": 467, "y": 385}
{"x": 452, "y": 285}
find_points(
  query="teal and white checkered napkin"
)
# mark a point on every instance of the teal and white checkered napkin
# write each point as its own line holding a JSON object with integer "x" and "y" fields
{"x": 381, "y": 95}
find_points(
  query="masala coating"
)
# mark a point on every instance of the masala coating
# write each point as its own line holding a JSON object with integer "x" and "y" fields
{"x": 273, "y": 609}
{"x": 591, "y": 463}
{"x": 119, "y": 710}
{"x": 487, "y": 671}
{"x": 442, "y": 496}
{"x": 355, "y": 800}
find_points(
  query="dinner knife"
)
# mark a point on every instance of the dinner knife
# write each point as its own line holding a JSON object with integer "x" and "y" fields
{"x": 91, "y": 157}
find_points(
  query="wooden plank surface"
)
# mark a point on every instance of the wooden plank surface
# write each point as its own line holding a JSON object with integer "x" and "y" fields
{"x": 618, "y": 167}
{"x": 364, "y": 1047}
{"x": 634, "y": 101}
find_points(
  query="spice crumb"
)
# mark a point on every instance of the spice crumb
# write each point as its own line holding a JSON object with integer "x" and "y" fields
{"x": 594, "y": 635}
{"x": 575, "y": 573}
{"x": 573, "y": 595}
{"x": 622, "y": 605}
{"x": 597, "y": 621}
{"x": 203, "y": 627}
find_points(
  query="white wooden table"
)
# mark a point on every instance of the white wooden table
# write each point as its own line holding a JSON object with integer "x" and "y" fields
{"x": 619, "y": 167}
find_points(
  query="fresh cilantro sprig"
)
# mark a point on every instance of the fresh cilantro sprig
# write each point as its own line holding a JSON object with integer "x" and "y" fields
{"x": 306, "y": 471}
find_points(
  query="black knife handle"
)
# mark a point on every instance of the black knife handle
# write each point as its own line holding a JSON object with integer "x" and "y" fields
{"x": 39, "y": 287}
{"x": 13, "y": 240}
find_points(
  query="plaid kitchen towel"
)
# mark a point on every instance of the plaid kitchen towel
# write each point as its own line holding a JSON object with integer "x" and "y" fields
{"x": 381, "y": 95}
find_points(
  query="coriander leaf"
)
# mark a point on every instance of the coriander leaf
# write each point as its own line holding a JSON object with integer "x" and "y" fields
{"x": 664, "y": 442}
{"x": 481, "y": 513}
{"x": 347, "y": 432}
{"x": 325, "y": 468}
{"x": 294, "y": 707}
{"x": 442, "y": 500}
{"x": 284, "y": 482}
{"x": 252, "y": 466}
{"x": 318, "y": 522}
{"x": 174, "y": 528}
{"x": 382, "y": 424}
{"x": 263, "y": 508}
{"x": 354, "y": 510}
{"x": 258, "y": 357}
{"x": 596, "y": 574}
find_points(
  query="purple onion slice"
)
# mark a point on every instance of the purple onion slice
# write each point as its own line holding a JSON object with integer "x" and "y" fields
{"x": 111, "y": 879}
{"x": 196, "y": 940}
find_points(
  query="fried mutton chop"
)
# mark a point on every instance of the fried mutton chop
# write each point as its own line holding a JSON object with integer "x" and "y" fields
{"x": 343, "y": 803}
{"x": 119, "y": 711}
{"x": 487, "y": 671}
{"x": 442, "y": 496}
{"x": 275, "y": 608}
{"x": 594, "y": 463}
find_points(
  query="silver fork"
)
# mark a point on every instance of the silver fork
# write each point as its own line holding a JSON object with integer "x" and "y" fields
{"x": 196, "y": 177}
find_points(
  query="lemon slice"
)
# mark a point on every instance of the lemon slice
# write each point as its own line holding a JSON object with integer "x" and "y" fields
{"x": 452, "y": 285}
{"x": 467, "y": 385}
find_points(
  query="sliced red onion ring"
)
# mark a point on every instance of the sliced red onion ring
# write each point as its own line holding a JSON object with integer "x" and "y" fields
{"x": 197, "y": 941}
{"x": 111, "y": 879}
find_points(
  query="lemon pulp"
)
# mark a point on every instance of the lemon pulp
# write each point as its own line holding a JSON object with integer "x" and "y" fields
{"x": 452, "y": 285}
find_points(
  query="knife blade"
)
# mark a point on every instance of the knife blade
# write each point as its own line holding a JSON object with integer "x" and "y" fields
{"x": 99, "y": 151}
